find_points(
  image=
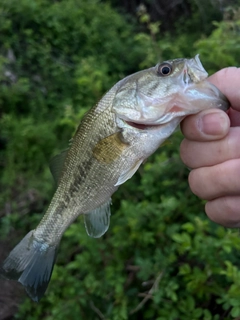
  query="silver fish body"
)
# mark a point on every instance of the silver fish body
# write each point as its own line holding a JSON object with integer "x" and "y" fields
{"x": 128, "y": 124}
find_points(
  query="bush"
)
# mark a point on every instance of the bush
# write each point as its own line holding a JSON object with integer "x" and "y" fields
{"x": 161, "y": 258}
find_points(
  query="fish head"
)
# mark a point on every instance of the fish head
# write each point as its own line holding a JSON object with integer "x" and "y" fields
{"x": 172, "y": 89}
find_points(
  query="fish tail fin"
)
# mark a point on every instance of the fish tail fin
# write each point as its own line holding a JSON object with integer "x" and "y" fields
{"x": 30, "y": 263}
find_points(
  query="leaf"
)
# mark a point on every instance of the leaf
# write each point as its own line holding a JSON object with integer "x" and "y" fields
{"x": 235, "y": 312}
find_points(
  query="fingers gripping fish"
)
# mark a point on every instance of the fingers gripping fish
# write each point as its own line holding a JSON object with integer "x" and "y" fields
{"x": 128, "y": 124}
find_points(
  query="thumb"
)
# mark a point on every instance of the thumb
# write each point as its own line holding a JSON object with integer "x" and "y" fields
{"x": 207, "y": 125}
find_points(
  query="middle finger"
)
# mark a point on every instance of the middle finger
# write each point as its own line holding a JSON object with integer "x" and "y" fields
{"x": 217, "y": 181}
{"x": 197, "y": 154}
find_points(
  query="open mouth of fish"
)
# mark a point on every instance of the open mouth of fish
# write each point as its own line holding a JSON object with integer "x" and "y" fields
{"x": 146, "y": 126}
{"x": 140, "y": 126}
{"x": 175, "y": 111}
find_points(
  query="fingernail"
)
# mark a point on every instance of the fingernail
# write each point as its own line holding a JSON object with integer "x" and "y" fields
{"x": 214, "y": 124}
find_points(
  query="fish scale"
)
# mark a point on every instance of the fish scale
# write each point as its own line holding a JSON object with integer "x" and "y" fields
{"x": 127, "y": 125}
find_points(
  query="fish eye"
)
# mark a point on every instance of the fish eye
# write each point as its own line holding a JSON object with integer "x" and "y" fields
{"x": 164, "y": 69}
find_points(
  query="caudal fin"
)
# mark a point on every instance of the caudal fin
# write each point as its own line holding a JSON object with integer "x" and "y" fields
{"x": 30, "y": 263}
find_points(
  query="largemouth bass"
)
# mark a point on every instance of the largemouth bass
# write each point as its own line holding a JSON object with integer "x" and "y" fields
{"x": 127, "y": 125}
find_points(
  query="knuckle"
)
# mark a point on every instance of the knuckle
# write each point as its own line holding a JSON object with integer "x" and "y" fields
{"x": 184, "y": 151}
{"x": 211, "y": 212}
{"x": 194, "y": 182}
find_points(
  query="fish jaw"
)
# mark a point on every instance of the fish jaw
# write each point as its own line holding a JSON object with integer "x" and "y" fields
{"x": 195, "y": 70}
{"x": 204, "y": 95}
{"x": 187, "y": 92}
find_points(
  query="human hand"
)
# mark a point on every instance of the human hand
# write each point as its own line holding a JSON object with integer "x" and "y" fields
{"x": 212, "y": 149}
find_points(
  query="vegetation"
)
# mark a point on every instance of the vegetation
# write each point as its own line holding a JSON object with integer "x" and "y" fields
{"x": 161, "y": 258}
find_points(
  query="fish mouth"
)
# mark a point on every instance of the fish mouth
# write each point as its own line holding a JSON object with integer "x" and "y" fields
{"x": 142, "y": 126}
{"x": 175, "y": 111}
{"x": 136, "y": 125}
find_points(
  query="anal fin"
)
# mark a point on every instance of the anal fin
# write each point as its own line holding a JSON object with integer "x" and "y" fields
{"x": 97, "y": 221}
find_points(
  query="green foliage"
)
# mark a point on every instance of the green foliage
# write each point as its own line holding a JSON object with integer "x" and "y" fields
{"x": 223, "y": 45}
{"x": 162, "y": 258}
{"x": 47, "y": 46}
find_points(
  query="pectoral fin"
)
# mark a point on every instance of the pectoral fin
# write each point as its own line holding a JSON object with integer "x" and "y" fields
{"x": 97, "y": 221}
{"x": 128, "y": 173}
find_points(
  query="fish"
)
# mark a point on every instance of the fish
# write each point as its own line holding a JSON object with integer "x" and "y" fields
{"x": 113, "y": 139}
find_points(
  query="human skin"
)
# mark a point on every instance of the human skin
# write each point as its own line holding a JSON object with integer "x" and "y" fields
{"x": 211, "y": 148}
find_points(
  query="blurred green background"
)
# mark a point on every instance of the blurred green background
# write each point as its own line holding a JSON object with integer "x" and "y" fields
{"x": 162, "y": 259}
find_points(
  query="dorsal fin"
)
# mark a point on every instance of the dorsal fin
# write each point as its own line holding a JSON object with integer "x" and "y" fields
{"x": 56, "y": 165}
